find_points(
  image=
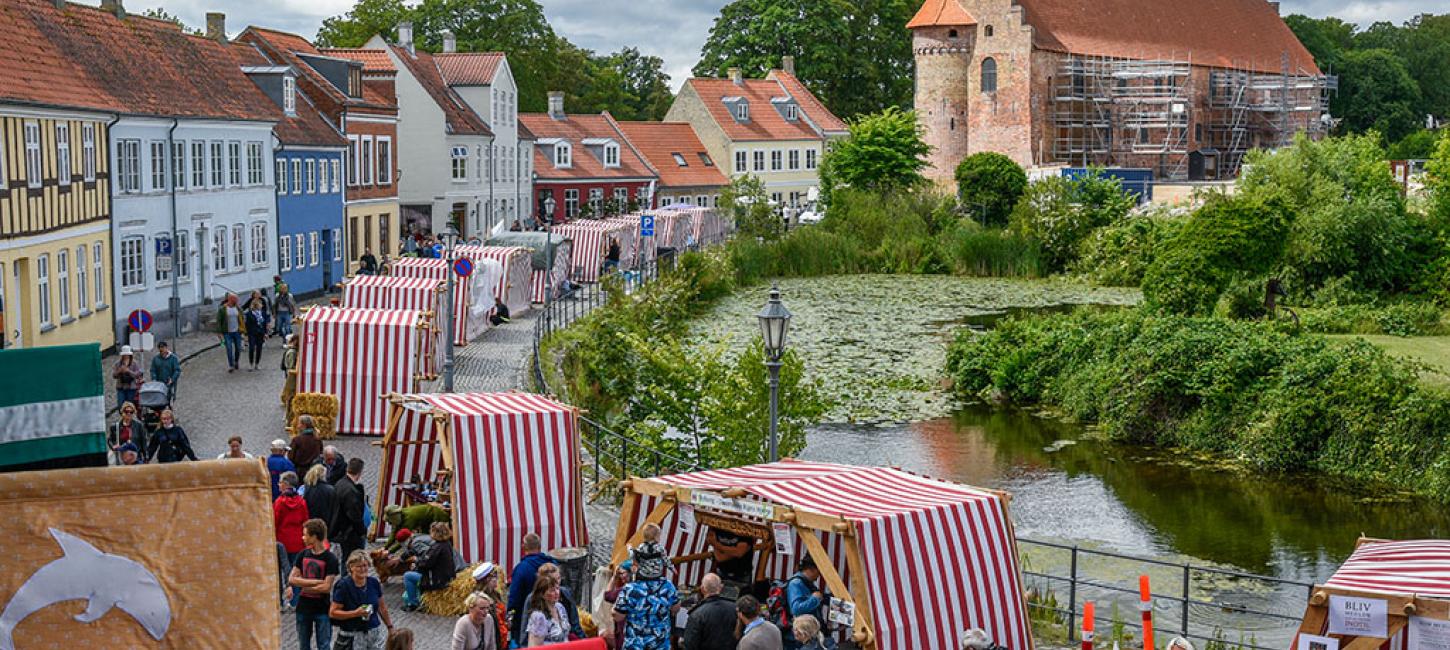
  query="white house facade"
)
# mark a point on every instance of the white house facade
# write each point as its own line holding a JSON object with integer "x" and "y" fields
{"x": 485, "y": 81}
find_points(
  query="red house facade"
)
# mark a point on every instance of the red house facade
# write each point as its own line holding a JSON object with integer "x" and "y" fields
{"x": 586, "y": 165}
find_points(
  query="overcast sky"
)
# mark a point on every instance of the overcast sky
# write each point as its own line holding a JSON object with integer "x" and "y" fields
{"x": 673, "y": 30}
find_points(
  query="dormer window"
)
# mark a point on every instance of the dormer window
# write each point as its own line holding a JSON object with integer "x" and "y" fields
{"x": 354, "y": 82}
{"x": 289, "y": 95}
{"x": 680, "y": 160}
{"x": 791, "y": 112}
{"x": 564, "y": 155}
{"x": 742, "y": 112}
{"x": 611, "y": 155}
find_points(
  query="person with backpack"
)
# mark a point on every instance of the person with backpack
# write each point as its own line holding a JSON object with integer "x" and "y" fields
{"x": 169, "y": 443}
{"x": 646, "y": 607}
{"x": 802, "y": 597}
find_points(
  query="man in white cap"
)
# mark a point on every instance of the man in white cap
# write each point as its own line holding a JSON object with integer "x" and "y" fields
{"x": 277, "y": 463}
{"x": 128, "y": 376}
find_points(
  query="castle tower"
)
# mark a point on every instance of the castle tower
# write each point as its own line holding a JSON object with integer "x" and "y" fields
{"x": 943, "y": 37}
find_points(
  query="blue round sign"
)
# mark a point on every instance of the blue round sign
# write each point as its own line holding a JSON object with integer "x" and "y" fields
{"x": 437, "y": 250}
{"x": 140, "y": 320}
{"x": 463, "y": 267}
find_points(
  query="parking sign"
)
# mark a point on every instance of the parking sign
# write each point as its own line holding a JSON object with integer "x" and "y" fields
{"x": 646, "y": 225}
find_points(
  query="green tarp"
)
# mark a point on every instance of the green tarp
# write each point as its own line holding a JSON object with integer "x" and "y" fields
{"x": 534, "y": 241}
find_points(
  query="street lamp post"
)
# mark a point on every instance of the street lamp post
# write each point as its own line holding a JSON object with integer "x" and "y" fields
{"x": 548, "y": 218}
{"x": 774, "y": 323}
{"x": 450, "y": 240}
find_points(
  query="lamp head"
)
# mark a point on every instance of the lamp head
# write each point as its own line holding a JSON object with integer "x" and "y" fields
{"x": 774, "y": 325}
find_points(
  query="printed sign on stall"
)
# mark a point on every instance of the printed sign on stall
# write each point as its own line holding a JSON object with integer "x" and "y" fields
{"x": 1353, "y": 616}
{"x": 784, "y": 538}
{"x": 714, "y": 501}
{"x": 687, "y": 519}
{"x": 1428, "y": 634}
{"x": 843, "y": 612}
{"x": 1313, "y": 642}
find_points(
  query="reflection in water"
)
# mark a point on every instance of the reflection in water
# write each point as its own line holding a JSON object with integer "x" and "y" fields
{"x": 1131, "y": 500}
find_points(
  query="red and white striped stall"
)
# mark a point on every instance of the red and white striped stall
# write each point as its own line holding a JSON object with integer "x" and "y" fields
{"x": 640, "y": 250}
{"x": 920, "y": 559}
{"x": 591, "y": 243}
{"x": 1410, "y": 577}
{"x": 672, "y": 229}
{"x": 360, "y": 355}
{"x": 513, "y": 284}
{"x": 387, "y": 292}
{"x": 514, "y": 468}
{"x": 472, "y": 299}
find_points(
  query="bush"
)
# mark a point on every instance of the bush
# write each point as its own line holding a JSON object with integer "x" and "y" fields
{"x": 991, "y": 252}
{"x": 1229, "y": 237}
{"x": 989, "y": 184}
{"x": 1119, "y": 254}
{"x": 1060, "y": 213}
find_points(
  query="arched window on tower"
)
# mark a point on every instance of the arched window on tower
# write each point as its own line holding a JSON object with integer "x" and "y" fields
{"x": 989, "y": 75}
{"x": 952, "y": 34}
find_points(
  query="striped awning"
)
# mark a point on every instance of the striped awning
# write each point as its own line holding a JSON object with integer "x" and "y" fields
{"x": 1411, "y": 567}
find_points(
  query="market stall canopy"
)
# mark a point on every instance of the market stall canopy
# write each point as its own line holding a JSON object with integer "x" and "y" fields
{"x": 1387, "y": 590}
{"x": 538, "y": 242}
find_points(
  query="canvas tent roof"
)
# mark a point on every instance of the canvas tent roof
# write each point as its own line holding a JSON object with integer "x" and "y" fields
{"x": 534, "y": 241}
{"x": 1397, "y": 567}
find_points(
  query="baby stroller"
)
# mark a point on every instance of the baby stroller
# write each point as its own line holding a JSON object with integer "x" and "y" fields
{"x": 154, "y": 398}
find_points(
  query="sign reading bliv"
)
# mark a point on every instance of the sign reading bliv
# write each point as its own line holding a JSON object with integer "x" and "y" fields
{"x": 1352, "y": 616}
{"x": 646, "y": 225}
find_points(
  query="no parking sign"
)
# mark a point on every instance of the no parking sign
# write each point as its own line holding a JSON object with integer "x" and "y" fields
{"x": 463, "y": 267}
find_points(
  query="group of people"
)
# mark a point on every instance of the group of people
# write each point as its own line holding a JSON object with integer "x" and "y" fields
{"x": 256, "y": 319}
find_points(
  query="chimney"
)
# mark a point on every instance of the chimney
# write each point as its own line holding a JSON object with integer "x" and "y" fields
{"x": 787, "y": 63}
{"x": 216, "y": 26}
{"x": 1275, "y": 6}
{"x": 735, "y": 77}
{"x": 556, "y": 104}
{"x": 59, "y": 4}
{"x": 450, "y": 43}
{"x": 114, "y": 7}
{"x": 405, "y": 35}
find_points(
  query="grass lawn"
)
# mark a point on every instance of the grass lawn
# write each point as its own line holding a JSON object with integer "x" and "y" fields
{"x": 1432, "y": 350}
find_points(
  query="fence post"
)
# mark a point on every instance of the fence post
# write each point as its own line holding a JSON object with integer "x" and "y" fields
{"x": 1072, "y": 595}
{"x": 1186, "y": 592}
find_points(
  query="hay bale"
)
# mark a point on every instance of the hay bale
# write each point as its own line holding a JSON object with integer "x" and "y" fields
{"x": 323, "y": 409}
{"x": 449, "y": 600}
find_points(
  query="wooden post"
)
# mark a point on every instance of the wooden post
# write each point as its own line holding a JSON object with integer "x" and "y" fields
{"x": 833, "y": 580}
{"x": 395, "y": 414}
{"x": 860, "y": 593}
{"x": 621, "y": 551}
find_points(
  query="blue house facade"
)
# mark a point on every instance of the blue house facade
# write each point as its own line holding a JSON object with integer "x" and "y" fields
{"x": 309, "y": 217}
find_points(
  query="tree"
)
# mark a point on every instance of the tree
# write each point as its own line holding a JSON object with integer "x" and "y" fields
{"x": 161, "y": 14}
{"x": 990, "y": 184}
{"x": 366, "y": 18}
{"x": 884, "y": 152}
{"x": 744, "y": 198}
{"x": 1437, "y": 178}
{"x": 1377, "y": 93}
{"x": 1060, "y": 213}
{"x": 855, "y": 56}
{"x": 1326, "y": 38}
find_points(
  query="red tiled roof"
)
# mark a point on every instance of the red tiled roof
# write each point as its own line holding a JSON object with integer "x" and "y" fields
{"x": 372, "y": 60}
{"x": 814, "y": 109}
{"x": 766, "y": 123}
{"x": 1242, "y": 34}
{"x": 575, "y": 128}
{"x": 87, "y": 58}
{"x": 941, "y": 13}
{"x": 459, "y": 117}
{"x": 307, "y": 127}
{"x": 658, "y": 142}
{"x": 469, "y": 68}
{"x": 284, "y": 49}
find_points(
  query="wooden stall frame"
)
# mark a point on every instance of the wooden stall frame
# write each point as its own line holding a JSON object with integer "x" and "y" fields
{"x": 1401, "y": 608}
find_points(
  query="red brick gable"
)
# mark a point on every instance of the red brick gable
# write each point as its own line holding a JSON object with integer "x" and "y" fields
{"x": 941, "y": 13}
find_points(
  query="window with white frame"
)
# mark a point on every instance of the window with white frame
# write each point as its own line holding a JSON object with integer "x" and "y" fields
{"x": 337, "y": 244}
{"x": 62, "y": 282}
{"x": 98, "y": 254}
{"x": 336, "y": 176}
{"x": 460, "y": 163}
{"x": 178, "y": 164}
{"x": 611, "y": 155}
{"x": 88, "y": 152}
{"x": 742, "y": 164}
{"x": 289, "y": 94}
{"x": 365, "y": 164}
{"x": 311, "y": 170}
{"x": 281, "y": 175}
{"x": 571, "y": 204}
{"x": 296, "y": 175}
{"x": 234, "y": 163}
{"x": 791, "y": 113}
{"x": 284, "y": 252}
{"x": 62, "y": 157}
{"x": 621, "y": 196}
{"x": 385, "y": 160}
{"x": 162, "y": 275}
{"x": 42, "y": 277}
{"x": 133, "y": 262}
{"x": 158, "y": 165}
{"x": 301, "y": 252}
{"x": 198, "y": 164}
{"x": 128, "y": 166}
{"x": 255, "y": 171}
{"x": 219, "y": 242}
{"x": 495, "y": 172}
{"x": 259, "y": 243}
{"x": 322, "y": 176}
{"x": 32, "y": 154}
{"x": 810, "y": 158}
{"x": 83, "y": 285}
{"x": 239, "y": 255}
{"x": 313, "y": 249}
{"x": 596, "y": 199}
{"x": 702, "y": 201}
{"x": 181, "y": 256}
{"x": 794, "y": 160}
{"x": 742, "y": 111}
{"x": 351, "y": 160}
{"x": 759, "y": 157}
{"x": 218, "y": 171}
{"x": 563, "y": 155}
{"x": 776, "y": 162}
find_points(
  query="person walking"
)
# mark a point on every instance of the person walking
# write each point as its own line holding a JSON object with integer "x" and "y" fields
{"x": 320, "y": 496}
{"x": 234, "y": 450}
{"x": 358, "y": 612}
{"x": 313, "y": 575}
{"x": 348, "y": 528}
{"x": 255, "y": 327}
{"x": 229, "y": 327}
{"x": 755, "y": 632}
{"x": 712, "y": 622}
{"x": 433, "y": 570}
{"x": 127, "y": 429}
{"x": 604, "y": 609}
{"x": 306, "y": 446}
{"x": 476, "y": 629}
{"x": 289, "y": 376}
{"x": 166, "y": 368}
{"x": 289, "y": 513}
{"x": 336, "y": 465}
{"x": 521, "y": 582}
{"x": 169, "y": 443}
{"x": 646, "y": 607}
{"x": 277, "y": 464}
{"x": 548, "y": 623}
{"x": 128, "y": 376}
{"x": 283, "y": 307}
{"x": 611, "y": 258}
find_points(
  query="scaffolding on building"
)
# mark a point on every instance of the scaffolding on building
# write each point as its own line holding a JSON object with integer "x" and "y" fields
{"x": 1251, "y": 110}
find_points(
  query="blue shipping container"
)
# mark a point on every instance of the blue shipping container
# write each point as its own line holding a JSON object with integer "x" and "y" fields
{"x": 1138, "y": 182}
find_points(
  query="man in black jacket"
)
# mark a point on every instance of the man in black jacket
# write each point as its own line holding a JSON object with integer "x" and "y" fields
{"x": 712, "y": 622}
{"x": 347, "y": 524}
{"x": 334, "y": 462}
